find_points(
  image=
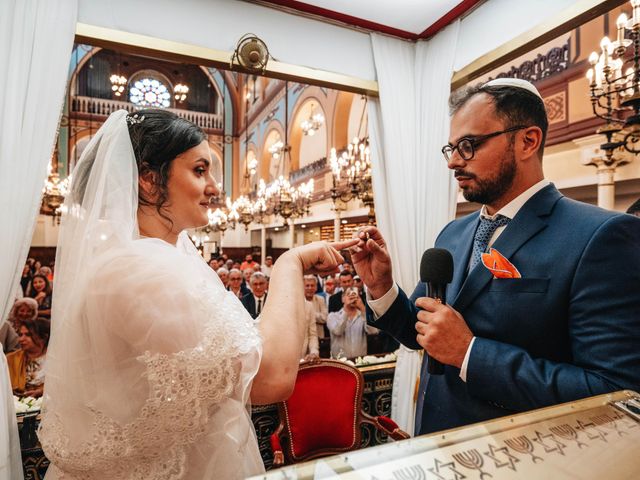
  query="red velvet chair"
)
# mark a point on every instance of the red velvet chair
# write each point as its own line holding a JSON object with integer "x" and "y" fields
{"x": 323, "y": 415}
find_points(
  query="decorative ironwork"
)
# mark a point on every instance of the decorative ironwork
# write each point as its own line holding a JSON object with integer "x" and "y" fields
{"x": 553, "y": 62}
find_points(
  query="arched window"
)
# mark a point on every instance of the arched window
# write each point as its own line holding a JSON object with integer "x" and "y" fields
{"x": 150, "y": 89}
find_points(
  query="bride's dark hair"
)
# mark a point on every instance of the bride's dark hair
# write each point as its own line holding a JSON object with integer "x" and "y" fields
{"x": 158, "y": 137}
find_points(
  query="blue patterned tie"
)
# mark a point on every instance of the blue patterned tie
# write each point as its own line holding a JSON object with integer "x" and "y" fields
{"x": 485, "y": 231}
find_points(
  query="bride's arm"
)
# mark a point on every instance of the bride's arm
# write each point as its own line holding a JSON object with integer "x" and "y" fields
{"x": 283, "y": 322}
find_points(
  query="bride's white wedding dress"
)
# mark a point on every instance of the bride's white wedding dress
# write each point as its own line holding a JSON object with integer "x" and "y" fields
{"x": 150, "y": 361}
{"x": 165, "y": 365}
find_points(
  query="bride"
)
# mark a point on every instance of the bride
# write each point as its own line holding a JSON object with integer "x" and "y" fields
{"x": 152, "y": 363}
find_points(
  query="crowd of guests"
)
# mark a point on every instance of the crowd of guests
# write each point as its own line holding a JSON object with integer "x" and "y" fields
{"x": 334, "y": 307}
{"x": 24, "y": 334}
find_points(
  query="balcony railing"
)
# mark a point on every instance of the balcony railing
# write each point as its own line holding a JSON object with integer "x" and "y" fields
{"x": 104, "y": 107}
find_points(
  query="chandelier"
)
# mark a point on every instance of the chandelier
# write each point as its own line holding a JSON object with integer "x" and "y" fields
{"x": 614, "y": 81}
{"x": 180, "y": 92}
{"x": 313, "y": 123}
{"x": 351, "y": 173}
{"x": 118, "y": 83}
{"x": 53, "y": 193}
{"x": 280, "y": 198}
{"x": 221, "y": 218}
{"x": 243, "y": 209}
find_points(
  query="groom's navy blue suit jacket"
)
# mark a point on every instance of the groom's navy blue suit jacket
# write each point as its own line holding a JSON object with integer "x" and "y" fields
{"x": 568, "y": 329}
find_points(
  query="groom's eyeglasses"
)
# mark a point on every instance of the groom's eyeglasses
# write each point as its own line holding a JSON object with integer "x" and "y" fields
{"x": 467, "y": 146}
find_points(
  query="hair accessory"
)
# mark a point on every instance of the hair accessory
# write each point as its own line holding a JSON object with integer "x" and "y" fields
{"x": 514, "y": 82}
{"x": 134, "y": 119}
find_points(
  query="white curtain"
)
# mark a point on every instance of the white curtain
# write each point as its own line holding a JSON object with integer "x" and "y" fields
{"x": 10, "y": 459}
{"x": 36, "y": 39}
{"x": 414, "y": 192}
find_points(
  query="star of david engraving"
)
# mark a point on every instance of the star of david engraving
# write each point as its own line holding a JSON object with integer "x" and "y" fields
{"x": 438, "y": 465}
{"x": 592, "y": 431}
{"x": 608, "y": 422}
{"x": 559, "y": 446}
{"x": 509, "y": 462}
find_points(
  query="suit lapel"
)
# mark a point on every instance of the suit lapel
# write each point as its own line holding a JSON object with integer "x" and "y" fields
{"x": 528, "y": 222}
{"x": 461, "y": 260}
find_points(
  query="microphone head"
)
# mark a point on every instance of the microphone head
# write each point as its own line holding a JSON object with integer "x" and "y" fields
{"x": 436, "y": 266}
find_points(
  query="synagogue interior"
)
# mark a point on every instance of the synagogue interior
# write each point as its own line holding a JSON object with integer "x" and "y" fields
{"x": 327, "y": 122}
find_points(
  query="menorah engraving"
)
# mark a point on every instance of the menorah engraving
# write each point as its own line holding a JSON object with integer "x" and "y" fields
{"x": 567, "y": 432}
{"x": 415, "y": 472}
{"x": 609, "y": 422}
{"x": 523, "y": 445}
{"x": 473, "y": 460}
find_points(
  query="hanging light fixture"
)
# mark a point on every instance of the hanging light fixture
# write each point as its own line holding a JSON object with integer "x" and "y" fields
{"x": 351, "y": 172}
{"x": 615, "y": 96}
{"x": 54, "y": 191}
{"x": 313, "y": 123}
{"x": 180, "y": 92}
{"x": 280, "y": 197}
{"x": 118, "y": 84}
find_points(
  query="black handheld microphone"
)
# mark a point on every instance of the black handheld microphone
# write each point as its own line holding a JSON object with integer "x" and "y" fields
{"x": 436, "y": 270}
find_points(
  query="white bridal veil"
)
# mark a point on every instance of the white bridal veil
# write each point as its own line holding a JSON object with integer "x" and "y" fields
{"x": 151, "y": 360}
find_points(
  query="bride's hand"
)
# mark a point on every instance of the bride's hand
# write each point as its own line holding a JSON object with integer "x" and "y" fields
{"x": 322, "y": 257}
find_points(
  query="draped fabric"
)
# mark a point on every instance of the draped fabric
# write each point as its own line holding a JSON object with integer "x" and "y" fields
{"x": 10, "y": 458}
{"x": 151, "y": 360}
{"x": 414, "y": 192}
{"x": 36, "y": 38}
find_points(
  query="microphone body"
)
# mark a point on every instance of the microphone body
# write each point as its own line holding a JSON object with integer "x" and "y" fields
{"x": 436, "y": 270}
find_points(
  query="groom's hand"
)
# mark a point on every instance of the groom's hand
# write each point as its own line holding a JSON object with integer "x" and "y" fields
{"x": 372, "y": 262}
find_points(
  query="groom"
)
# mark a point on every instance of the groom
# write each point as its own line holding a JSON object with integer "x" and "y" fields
{"x": 568, "y": 328}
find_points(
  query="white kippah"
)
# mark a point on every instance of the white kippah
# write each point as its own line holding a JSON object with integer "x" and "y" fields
{"x": 514, "y": 82}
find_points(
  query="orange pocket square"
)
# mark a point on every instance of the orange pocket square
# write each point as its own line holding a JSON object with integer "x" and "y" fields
{"x": 498, "y": 265}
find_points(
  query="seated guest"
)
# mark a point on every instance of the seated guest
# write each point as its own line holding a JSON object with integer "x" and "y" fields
{"x": 348, "y": 327}
{"x": 223, "y": 273}
{"x": 267, "y": 265}
{"x": 357, "y": 282}
{"x": 235, "y": 283}
{"x": 330, "y": 286}
{"x": 249, "y": 263}
{"x": 23, "y": 309}
{"x": 40, "y": 291}
{"x": 316, "y": 305}
{"x": 246, "y": 277}
{"x": 47, "y": 272}
{"x": 311, "y": 346}
{"x": 346, "y": 281}
{"x": 26, "y": 365}
{"x": 25, "y": 278}
{"x": 254, "y": 300}
{"x": 213, "y": 263}
{"x": 8, "y": 337}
